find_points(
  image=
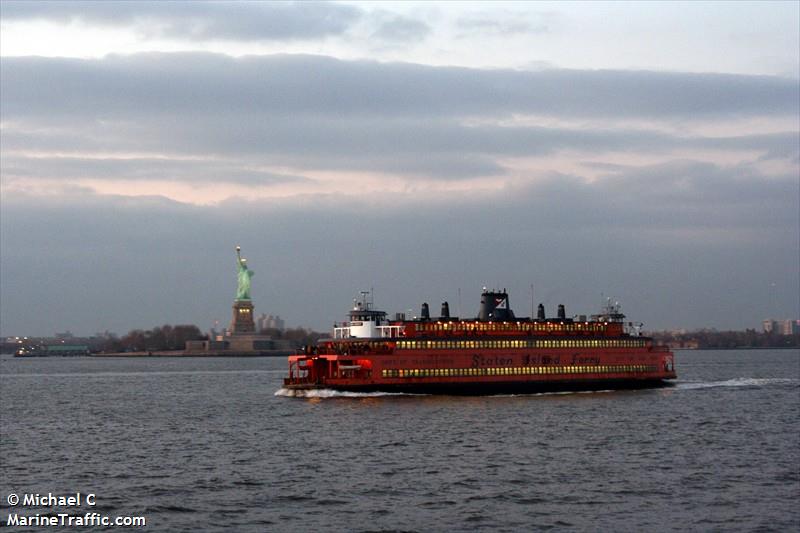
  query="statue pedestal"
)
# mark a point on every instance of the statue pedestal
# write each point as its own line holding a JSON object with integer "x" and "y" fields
{"x": 242, "y": 317}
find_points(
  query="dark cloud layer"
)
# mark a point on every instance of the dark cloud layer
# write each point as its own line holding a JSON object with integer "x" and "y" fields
{"x": 240, "y": 21}
{"x": 291, "y": 85}
{"x": 684, "y": 240}
{"x": 320, "y": 113}
{"x": 703, "y": 244}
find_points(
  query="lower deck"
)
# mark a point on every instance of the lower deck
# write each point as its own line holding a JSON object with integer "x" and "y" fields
{"x": 486, "y": 388}
{"x": 483, "y": 372}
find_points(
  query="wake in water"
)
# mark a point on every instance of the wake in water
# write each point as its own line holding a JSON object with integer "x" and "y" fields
{"x": 329, "y": 393}
{"x": 735, "y": 382}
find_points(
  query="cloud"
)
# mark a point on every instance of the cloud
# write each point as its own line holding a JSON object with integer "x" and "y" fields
{"x": 239, "y": 21}
{"x": 398, "y": 29}
{"x": 504, "y": 23}
{"x": 685, "y": 227}
{"x": 152, "y": 116}
{"x": 291, "y": 85}
{"x": 199, "y": 171}
{"x": 416, "y": 180}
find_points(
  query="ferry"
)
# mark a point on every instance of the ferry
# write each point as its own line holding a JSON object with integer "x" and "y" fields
{"x": 52, "y": 350}
{"x": 493, "y": 353}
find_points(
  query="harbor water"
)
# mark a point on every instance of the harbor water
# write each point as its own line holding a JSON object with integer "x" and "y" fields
{"x": 206, "y": 444}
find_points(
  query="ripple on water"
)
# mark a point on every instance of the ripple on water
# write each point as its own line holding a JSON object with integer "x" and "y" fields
{"x": 212, "y": 446}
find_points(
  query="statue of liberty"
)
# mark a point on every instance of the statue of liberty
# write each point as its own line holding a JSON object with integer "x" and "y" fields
{"x": 243, "y": 289}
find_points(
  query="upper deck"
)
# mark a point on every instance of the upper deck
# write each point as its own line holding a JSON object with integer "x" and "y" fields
{"x": 495, "y": 320}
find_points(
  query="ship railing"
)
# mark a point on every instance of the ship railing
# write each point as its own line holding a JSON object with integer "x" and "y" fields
{"x": 388, "y": 332}
{"x": 383, "y": 332}
{"x": 297, "y": 373}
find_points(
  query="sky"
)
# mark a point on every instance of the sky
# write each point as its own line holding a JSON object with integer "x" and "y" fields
{"x": 567, "y": 152}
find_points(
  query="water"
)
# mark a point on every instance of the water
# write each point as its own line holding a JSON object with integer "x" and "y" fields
{"x": 206, "y": 444}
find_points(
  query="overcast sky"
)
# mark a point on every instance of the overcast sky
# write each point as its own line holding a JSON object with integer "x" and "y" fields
{"x": 648, "y": 152}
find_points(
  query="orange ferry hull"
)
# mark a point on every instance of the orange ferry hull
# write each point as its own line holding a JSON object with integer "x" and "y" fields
{"x": 480, "y": 373}
{"x": 493, "y": 353}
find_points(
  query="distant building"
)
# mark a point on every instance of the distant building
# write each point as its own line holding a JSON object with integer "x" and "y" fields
{"x": 270, "y": 322}
{"x": 689, "y": 344}
{"x": 782, "y": 327}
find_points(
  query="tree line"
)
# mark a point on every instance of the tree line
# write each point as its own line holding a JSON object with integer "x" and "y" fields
{"x": 167, "y": 337}
{"x": 160, "y": 338}
{"x": 712, "y": 339}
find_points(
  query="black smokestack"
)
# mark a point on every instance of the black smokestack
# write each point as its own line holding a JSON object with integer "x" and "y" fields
{"x": 495, "y": 306}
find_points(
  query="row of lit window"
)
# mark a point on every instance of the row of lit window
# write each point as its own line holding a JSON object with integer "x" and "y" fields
{"x": 530, "y": 343}
{"x": 511, "y": 371}
{"x": 511, "y": 326}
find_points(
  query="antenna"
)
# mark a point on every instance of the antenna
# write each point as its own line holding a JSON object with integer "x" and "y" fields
{"x": 531, "y": 300}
